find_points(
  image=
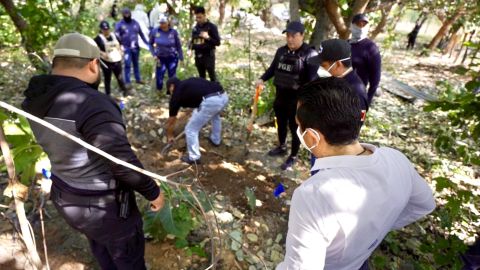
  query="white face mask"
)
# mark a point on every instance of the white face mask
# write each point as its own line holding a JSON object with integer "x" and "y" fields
{"x": 358, "y": 33}
{"x": 302, "y": 141}
{"x": 323, "y": 73}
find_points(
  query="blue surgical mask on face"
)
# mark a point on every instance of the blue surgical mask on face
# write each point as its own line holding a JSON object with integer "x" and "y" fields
{"x": 302, "y": 141}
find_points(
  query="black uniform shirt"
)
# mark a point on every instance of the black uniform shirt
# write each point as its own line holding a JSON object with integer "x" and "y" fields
{"x": 201, "y": 45}
{"x": 357, "y": 85}
{"x": 189, "y": 93}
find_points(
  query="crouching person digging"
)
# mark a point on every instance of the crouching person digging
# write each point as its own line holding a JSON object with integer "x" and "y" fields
{"x": 208, "y": 100}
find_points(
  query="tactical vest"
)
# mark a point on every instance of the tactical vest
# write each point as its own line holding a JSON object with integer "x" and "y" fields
{"x": 77, "y": 166}
{"x": 112, "y": 48}
{"x": 289, "y": 68}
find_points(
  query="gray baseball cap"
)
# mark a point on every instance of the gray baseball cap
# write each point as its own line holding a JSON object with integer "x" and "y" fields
{"x": 76, "y": 45}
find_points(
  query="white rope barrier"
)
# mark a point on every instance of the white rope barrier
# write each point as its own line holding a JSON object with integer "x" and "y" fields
{"x": 87, "y": 145}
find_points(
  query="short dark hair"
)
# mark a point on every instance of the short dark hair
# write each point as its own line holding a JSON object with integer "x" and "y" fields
{"x": 330, "y": 106}
{"x": 172, "y": 81}
{"x": 70, "y": 62}
{"x": 199, "y": 10}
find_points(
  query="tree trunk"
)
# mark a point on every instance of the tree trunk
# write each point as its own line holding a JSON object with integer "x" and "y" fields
{"x": 294, "y": 10}
{"x": 37, "y": 59}
{"x": 447, "y": 24}
{"x": 461, "y": 49}
{"x": 452, "y": 42}
{"x": 359, "y": 6}
{"x": 333, "y": 11}
{"x": 265, "y": 14}
{"x": 383, "y": 21}
{"x": 221, "y": 11}
{"x": 322, "y": 25}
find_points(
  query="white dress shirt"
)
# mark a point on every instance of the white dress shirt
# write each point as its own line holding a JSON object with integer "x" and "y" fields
{"x": 341, "y": 214}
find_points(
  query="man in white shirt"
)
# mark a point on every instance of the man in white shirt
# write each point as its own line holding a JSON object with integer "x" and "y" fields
{"x": 341, "y": 214}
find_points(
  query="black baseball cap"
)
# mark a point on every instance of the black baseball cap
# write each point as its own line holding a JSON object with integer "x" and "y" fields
{"x": 332, "y": 50}
{"x": 104, "y": 25}
{"x": 360, "y": 17}
{"x": 294, "y": 27}
{"x": 126, "y": 11}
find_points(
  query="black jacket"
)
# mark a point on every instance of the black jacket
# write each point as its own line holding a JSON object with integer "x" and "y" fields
{"x": 201, "y": 45}
{"x": 75, "y": 107}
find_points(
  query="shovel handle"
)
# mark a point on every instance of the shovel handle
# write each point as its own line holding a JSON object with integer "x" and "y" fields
{"x": 258, "y": 91}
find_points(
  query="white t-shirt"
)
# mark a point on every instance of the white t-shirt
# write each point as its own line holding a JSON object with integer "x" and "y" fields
{"x": 341, "y": 214}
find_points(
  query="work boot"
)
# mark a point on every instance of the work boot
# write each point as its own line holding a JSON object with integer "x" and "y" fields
{"x": 212, "y": 143}
{"x": 141, "y": 82}
{"x": 187, "y": 159}
{"x": 127, "y": 92}
{"x": 278, "y": 151}
{"x": 288, "y": 164}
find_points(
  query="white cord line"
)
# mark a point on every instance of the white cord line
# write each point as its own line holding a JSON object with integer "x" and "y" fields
{"x": 86, "y": 145}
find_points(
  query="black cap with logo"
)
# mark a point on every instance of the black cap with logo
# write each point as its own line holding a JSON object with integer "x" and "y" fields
{"x": 104, "y": 25}
{"x": 294, "y": 27}
{"x": 332, "y": 50}
{"x": 359, "y": 18}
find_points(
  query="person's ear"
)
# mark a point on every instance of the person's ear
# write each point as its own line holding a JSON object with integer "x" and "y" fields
{"x": 93, "y": 66}
{"x": 312, "y": 137}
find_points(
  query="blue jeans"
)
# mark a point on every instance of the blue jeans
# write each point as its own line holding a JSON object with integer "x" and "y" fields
{"x": 132, "y": 55}
{"x": 209, "y": 110}
{"x": 164, "y": 64}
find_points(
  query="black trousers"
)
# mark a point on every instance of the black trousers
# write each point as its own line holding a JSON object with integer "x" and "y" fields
{"x": 285, "y": 111}
{"x": 206, "y": 63}
{"x": 116, "y": 243}
{"x": 116, "y": 69}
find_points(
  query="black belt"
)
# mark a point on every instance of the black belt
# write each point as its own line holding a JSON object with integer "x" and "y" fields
{"x": 213, "y": 94}
{"x": 84, "y": 199}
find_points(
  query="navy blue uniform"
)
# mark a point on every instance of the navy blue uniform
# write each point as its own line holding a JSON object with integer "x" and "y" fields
{"x": 290, "y": 70}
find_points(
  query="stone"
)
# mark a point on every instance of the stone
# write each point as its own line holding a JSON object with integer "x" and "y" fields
{"x": 261, "y": 178}
{"x": 220, "y": 197}
{"x": 236, "y": 235}
{"x": 276, "y": 256}
{"x": 225, "y": 217}
{"x": 277, "y": 247}
{"x": 252, "y": 267}
{"x": 258, "y": 203}
{"x": 153, "y": 133}
{"x": 279, "y": 238}
{"x": 269, "y": 241}
{"x": 239, "y": 255}
{"x": 237, "y": 213}
{"x": 252, "y": 237}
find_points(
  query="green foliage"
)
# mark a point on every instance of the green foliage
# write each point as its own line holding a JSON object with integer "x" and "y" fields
{"x": 251, "y": 198}
{"x": 178, "y": 218}
{"x": 461, "y": 136}
{"x": 8, "y": 35}
{"x": 24, "y": 150}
